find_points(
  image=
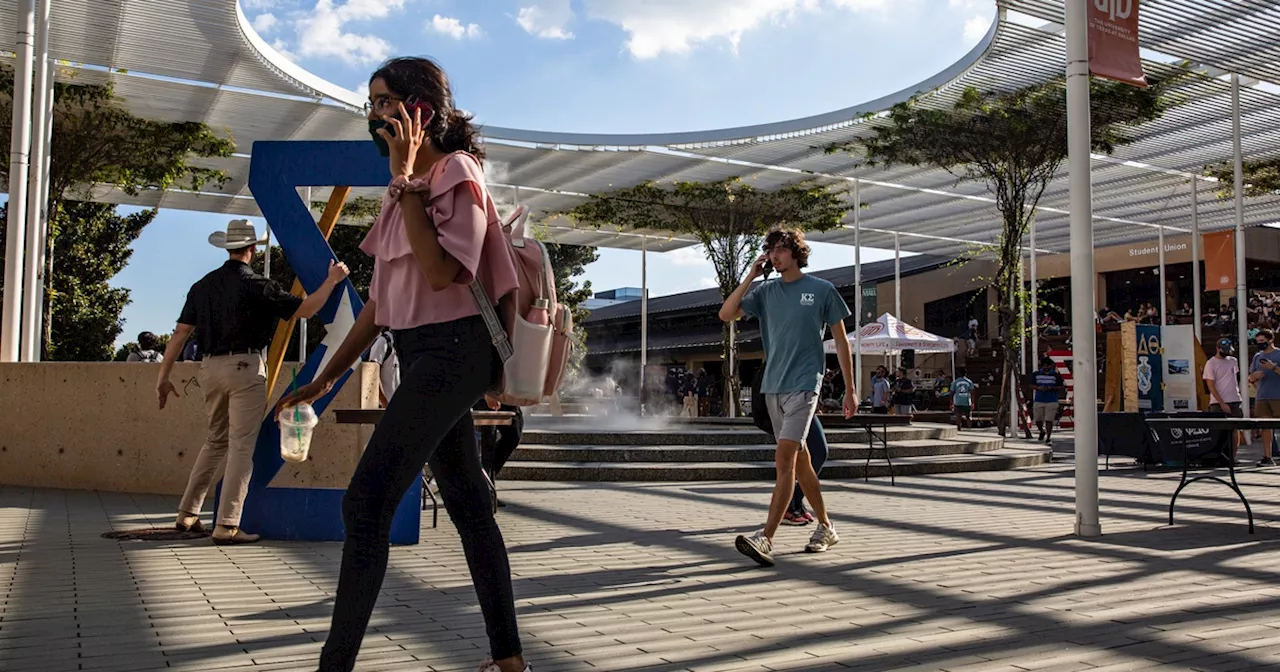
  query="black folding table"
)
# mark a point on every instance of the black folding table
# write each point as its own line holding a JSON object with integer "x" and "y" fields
{"x": 1223, "y": 424}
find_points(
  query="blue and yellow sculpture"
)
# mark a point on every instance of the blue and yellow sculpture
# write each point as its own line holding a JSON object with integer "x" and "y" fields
{"x": 276, "y": 171}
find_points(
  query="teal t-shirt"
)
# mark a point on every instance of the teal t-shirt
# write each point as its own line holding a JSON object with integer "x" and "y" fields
{"x": 794, "y": 317}
{"x": 962, "y": 391}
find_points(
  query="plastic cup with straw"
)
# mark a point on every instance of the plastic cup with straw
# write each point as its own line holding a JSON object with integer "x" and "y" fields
{"x": 296, "y": 426}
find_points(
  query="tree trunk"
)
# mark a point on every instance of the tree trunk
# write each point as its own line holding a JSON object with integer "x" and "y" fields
{"x": 729, "y": 370}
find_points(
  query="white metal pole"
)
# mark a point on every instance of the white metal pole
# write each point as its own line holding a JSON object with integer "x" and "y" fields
{"x": 1195, "y": 255}
{"x": 42, "y": 249}
{"x": 302, "y": 323}
{"x": 266, "y": 260}
{"x": 1084, "y": 353}
{"x": 1035, "y": 302}
{"x": 644, "y": 318}
{"x": 1015, "y": 278}
{"x": 19, "y": 155}
{"x": 1022, "y": 318}
{"x": 33, "y": 297}
{"x": 897, "y": 279}
{"x": 857, "y": 284}
{"x": 897, "y": 285}
{"x": 1164, "y": 289}
{"x": 1241, "y": 286}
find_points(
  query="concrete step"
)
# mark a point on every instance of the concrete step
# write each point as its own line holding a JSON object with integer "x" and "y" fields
{"x": 995, "y": 460}
{"x": 960, "y": 445}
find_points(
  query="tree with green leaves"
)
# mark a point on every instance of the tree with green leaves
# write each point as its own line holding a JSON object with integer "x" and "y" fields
{"x": 569, "y": 262}
{"x": 83, "y": 321}
{"x": 1261, "y": 178}
{"x": 1014, "y": 142}
{"x": 729, "y": 218}
{"x": 97, "y": 142}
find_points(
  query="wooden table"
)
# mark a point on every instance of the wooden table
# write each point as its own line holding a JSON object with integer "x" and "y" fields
{"x": 1222, "y": 424}
{"x": 371, "y": 416}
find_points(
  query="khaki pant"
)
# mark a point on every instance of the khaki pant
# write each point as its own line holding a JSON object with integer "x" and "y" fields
{"x": 235, "y": 398}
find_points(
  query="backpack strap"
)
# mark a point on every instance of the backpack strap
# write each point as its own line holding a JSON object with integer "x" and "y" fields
{"x": 497, "y": 333}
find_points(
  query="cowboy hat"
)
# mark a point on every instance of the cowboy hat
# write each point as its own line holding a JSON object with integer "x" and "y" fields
{"x": 239, "y": 235}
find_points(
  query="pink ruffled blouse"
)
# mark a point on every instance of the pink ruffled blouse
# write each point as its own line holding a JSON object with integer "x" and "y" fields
{"x": 469, "y": 229}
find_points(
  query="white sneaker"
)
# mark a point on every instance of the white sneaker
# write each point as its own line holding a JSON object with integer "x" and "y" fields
{"x": 757, "y": 547}
{"x": 489, "y": 666}
{"x": 823, "y": 538}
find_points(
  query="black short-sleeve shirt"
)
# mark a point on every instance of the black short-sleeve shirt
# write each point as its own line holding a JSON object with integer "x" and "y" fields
{"x": 235, "y": 310}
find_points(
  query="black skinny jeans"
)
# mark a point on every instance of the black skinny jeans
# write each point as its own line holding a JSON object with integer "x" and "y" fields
{"x": 446, "y": 369}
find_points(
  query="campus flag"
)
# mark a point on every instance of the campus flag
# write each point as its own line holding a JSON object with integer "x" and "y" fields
{"x": 1219, "y": 260}
{"x": 1113, "y": 41}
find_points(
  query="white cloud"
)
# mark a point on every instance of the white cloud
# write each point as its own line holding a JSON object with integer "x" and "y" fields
{"x": 687, "y": 256}
{"x": 677, "y": 26}
{"x": 280, "y": 46}
{"x": 549, "y": 19}
{"x": 322, "y": 32}
{"x": 264, "y": 22}
{"x": 362, "y": 88}
{"x": 707, "y": 283}
{"x": 975, "y": 28}
{"x": 454, "y": 28}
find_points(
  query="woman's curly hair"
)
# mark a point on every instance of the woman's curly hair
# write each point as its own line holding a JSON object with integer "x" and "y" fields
{"x": 792, "y": 239}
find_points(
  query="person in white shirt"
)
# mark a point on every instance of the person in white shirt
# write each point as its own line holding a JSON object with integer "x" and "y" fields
{"x": 383, "y": 353}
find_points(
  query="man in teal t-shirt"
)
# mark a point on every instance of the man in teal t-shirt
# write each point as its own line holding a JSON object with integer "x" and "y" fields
{"x": 794, "y": 312}
{"x": 962, "y": 398}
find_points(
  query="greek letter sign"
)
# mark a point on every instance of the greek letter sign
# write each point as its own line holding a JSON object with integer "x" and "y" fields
{"x": 1113, "y": 41}
{"x": 1150, "y": 365}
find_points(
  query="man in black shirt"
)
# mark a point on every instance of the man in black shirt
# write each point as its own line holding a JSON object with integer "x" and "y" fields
{"x": 233, "y": 312}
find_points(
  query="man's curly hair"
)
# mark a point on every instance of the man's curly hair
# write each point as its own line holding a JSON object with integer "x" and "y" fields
{"x": 792, "y": 239}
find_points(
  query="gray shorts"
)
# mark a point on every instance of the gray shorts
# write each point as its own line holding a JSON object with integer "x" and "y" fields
{"x": 1044, "y": 411}
{"x": 791, "y": 413}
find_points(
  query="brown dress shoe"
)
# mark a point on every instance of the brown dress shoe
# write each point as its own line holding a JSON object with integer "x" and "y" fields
{"x": 231, "y": 536}
{"x": 188, "y": 523}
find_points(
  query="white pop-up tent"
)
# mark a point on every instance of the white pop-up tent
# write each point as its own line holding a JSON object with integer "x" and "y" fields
{"x": 890, "y": 336}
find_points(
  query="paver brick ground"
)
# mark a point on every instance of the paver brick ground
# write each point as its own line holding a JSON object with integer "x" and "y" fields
{"x": 956, "y": 573}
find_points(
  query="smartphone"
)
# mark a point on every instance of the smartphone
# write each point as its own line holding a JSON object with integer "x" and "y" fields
{"x": 768, "y": 269}
{"x": 413, "y": 104}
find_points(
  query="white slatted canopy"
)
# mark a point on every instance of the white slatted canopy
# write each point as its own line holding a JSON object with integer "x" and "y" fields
{"x": 200, "y": 60}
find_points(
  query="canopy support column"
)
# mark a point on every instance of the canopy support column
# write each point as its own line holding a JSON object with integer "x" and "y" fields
{"x": 37, "y": 187}
{"x": 1196, "y": 287}
{"x": 1035, "y": 303}
{"x": 302, "y": 323}
{"x": 1242, "y": 320}
{"x": 1084, "y": 352}
{"x": 1164, "y": 290}
{"x": 857, "y": 284}
{"x": 19, "y": 155}
{"x": 644, "y": 319}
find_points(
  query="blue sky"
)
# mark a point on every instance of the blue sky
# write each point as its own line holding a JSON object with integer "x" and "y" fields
{"x": 594, "y": 66}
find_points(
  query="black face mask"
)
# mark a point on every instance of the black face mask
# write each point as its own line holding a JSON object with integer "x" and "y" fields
{"x": 380, "y": 142}
{"x": 1264, "y": 344}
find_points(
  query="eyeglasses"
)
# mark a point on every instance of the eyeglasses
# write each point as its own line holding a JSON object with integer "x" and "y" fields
{"x": 381, "y": 105}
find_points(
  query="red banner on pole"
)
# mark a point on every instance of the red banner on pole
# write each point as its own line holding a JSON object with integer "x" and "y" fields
{"x": 1113, "y": 41}
{"x": 1219, "y": 260}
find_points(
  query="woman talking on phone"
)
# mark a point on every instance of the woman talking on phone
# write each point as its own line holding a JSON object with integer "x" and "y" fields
{"x": 437, "y": 231}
